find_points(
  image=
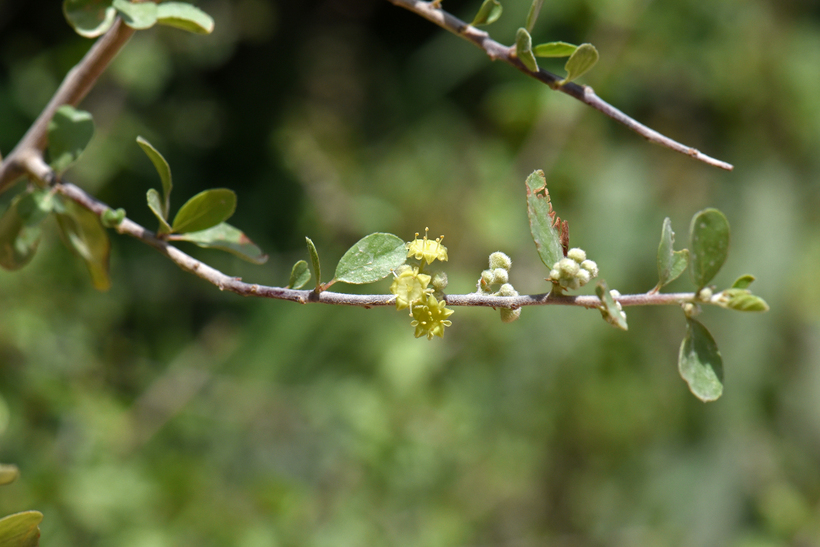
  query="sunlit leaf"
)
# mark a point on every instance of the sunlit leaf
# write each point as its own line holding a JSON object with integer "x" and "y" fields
{"x": 21, "y": 529}
{"x": 700, "y": 363}
{"x": 83, "y": 233}
{"x": 164, "y": 171}
{"x": 299, "y": 275}
{"x": 579, "y": 63}
{"x": 155, "y": 204}
{"x": 532, "y": 15}
{"x": 523, "y": 49}
{"x": 709, "y": 245}
{"x": 550, "y": 233}
{"x": 8, "y": 473}
{"x": 743, "y": 281}
{"x": 314, "y": 259}
{"x": 671, "y": 263}
{"x": 89, "y": 18}
{"x": 205, "y": 210}
{"x": 372, "y": 258}
{"x": 225, "y": 237}
{"x": 69, "y": 132}
{"x": 489, "y": 13}
{"x": 554, "y": 49}
{"x": 610, "y": 311}
{"x": 141, "y": 15}
{"x": 184, "y": 16}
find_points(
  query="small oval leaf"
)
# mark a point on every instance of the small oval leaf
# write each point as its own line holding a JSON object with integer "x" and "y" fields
{"x": 554, "y": 49}
{"x": 743, "y": 281}
{"x": 700, "y": 363}
{"x": 112, "y": 218}
{"x": 225, "y": 237}
{"x": 164, "y": 171}
{"x": 299, "y": 275}
{"x": 532, "y": 15}
{"x": 314, "y": 259}
{"x": 205, "y": 210}
{"x": 18, "y": 239}
{"x": 89, "y": 18}
{"x": 741, "y": 300}
{"x": 84, "y": 235}
{"x": 671, "y": 263}
{"x": 138, "y": 16}
{"x": 372, "y": 258}
{"x": 579, "y": 63}
{"x": 155, "y": 204}
{"x": 523, "y": 49}
{"x": 709, "y": 245}
{"x": 488, "y": 13}
{"x": 69, "y": 132}
{"x": 184, "y": 16}
{"x": 21, "y": 529}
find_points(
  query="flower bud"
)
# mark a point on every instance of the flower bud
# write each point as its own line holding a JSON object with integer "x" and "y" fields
{"x": 500, "y": 260}
{"x": 577, "y": 254}
{"x": 500, "y": 275}
{"x": 507, "y": 290}
{"x": 591, "y": 267}
{"x": 567, "y": 267}
{"x": 508, "y": 315}
{"x": 439, "y": 281}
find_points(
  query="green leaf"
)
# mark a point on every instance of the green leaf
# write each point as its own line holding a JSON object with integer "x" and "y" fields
{"x": 138, "y": 16}
{"x": 225, "y": 237}
{"x": 372, "y": 258}
{"x": 609, "y": 308}
{"x": 488, "y": 14}
{"x": 671, "y": 263}
{"x": 205, "y": 210}
{"x": 20, "y": 228}
{"x": 523, "y": 49}
{"x": 111, "y": 218}
{"x": 83, "y": 233}
{"x": 554, "y": 49}
{"x": 314, "y": 259}
{"x": 164, "y": 171}
{"x": 21, "y": 529}
{"x": 709, "y": 245}
{"x": 69, "y": 132}
{"x": 743, "y": 281}
{"x": 741, "y": 300}
{"x": 8, "y": 473}
{"x": 700, "y": 363}
{"x": 89, "y": 18}
{"x": 550, "y": 234}
{"x": 299, "y": 275}
{"x": 155, "y": 204}
{"x": 532, "y": 15}
{"x": 184, "y": 16}
{"x": 579, "y": 63}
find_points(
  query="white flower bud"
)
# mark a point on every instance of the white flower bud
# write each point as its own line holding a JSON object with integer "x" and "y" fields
{"x": 500, "y": 260}
{"x": 508, "y": 315}
{"x": 500, "y": 275}
{"x": 591, "y": 267}
{"x": 567, "y": 267}
{"x": 507, "y": 290}
{"x": 577, "y": 254}
{"x": 583, "y": 276}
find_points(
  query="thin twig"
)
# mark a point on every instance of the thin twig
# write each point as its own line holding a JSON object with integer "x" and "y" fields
{"x": 583, "y": 93}
{"x": 76, "y": 85}
{"x": 236, "y": 285}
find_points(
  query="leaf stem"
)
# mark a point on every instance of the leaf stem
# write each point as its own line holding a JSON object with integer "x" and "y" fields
{"x": 583, "y": 93}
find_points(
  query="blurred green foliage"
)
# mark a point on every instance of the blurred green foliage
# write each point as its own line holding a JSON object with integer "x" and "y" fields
{"x": 164, "y": 412}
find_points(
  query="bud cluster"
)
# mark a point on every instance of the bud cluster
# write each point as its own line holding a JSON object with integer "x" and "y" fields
{"x": 498, "y": 275}
{"x": 574, "y": 270}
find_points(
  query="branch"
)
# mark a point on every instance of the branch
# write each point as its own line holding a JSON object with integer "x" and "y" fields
{"x": 585, "y": 94}
{"x": 236, "y": 285}
{"x": 76, "y": 85}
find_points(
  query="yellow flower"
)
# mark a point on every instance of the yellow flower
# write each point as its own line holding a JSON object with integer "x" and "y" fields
{"x": 430, "y": 318}
{"x": 427, "y": 250}
{"x": 409, "y": 287}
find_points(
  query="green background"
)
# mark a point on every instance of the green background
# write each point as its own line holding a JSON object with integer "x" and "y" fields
{"x": 167, "y": 413}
